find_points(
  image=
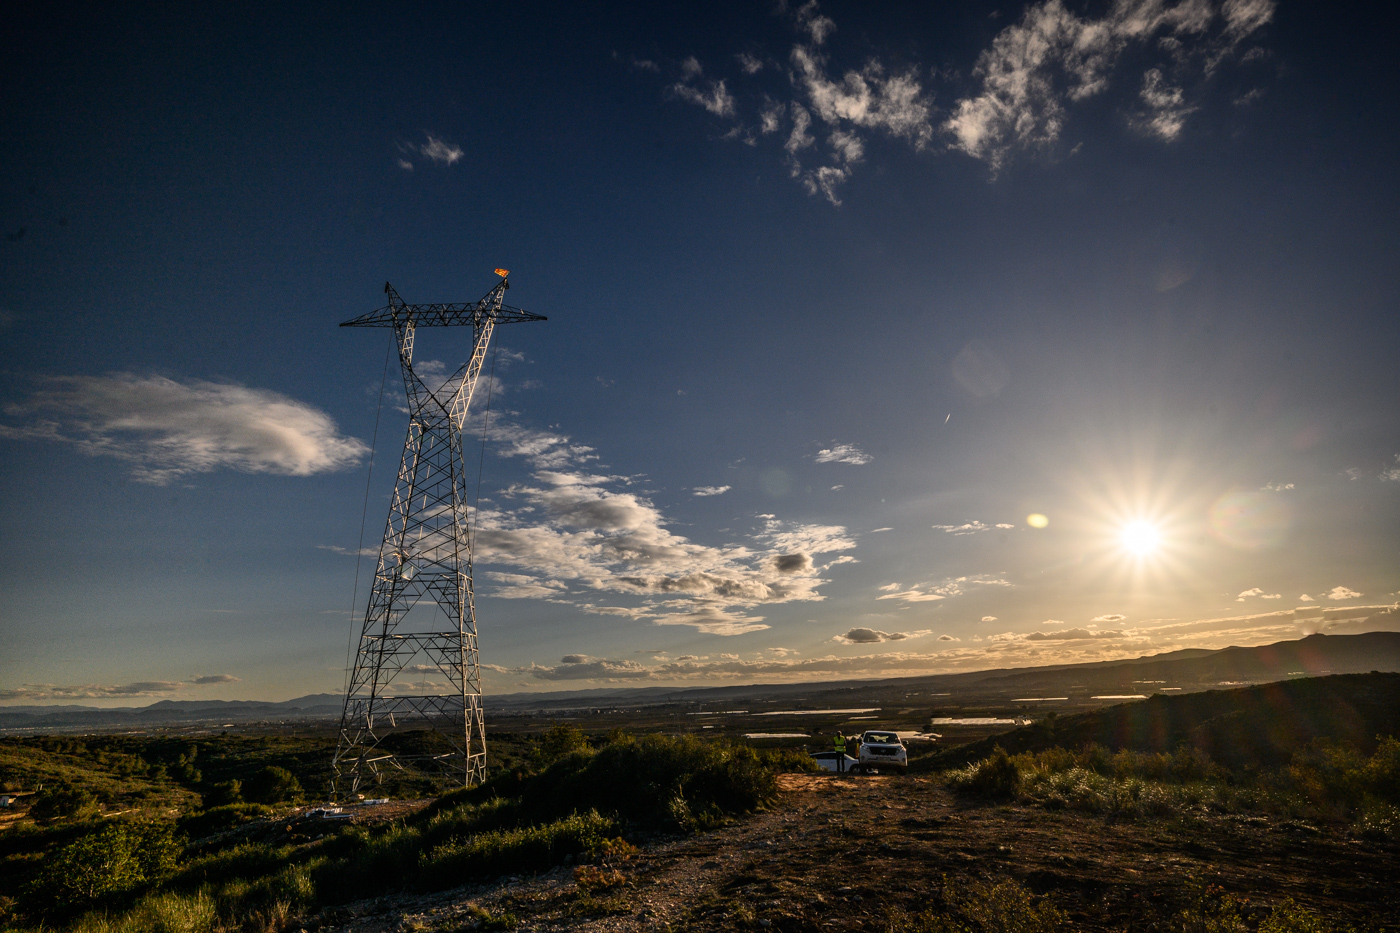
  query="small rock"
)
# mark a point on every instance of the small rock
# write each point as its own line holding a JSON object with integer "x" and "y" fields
{"x": 844, "y": 890}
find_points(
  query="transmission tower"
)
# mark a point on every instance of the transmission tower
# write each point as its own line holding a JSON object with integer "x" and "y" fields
{"x": 413, "y": 702}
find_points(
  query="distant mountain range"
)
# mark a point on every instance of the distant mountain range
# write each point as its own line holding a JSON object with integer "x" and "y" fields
{"x": 1189, "y": 670}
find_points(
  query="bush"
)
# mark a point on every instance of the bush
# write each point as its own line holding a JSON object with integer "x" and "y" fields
{"x": 159, "y": 913}
{"x": 530, "y": 849}
{"x": 655, "y": 778}
{"x": 994, "y": 776}
{"x": 222, "y": 794}
{"x": 558, "y": 742}
{"x": 104, "y": 866}
{"x": 218, "y": 819}
{"x": 63, "y": 802}
{"x": 272, "y": 785}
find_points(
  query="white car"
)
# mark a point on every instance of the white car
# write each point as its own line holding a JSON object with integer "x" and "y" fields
{"x": 836, "y": 761}
{"x": 883, "y": 751}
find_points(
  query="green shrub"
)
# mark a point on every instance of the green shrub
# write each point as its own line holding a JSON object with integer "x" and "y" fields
{"x": 272, "y": 785}
{"x": 223, "y": 794}
{"x": 530, "y": 849}
{"x": 245, "y": 860}
{"x": 558, "y": 742}
{"x": 643, "y": 778}
{"x": 218, "y": 819}
{"x": 63, "y": 802}
{"x": 104, "y": 866}
{"x": 994, "y": 776}
{"x": 158, "y": 913}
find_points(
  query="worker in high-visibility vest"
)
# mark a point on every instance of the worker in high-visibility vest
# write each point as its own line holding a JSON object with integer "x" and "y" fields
{"x": 840, "y": 752}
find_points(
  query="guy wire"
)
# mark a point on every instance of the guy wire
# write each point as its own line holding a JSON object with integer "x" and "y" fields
{"x": 355, "y": 593}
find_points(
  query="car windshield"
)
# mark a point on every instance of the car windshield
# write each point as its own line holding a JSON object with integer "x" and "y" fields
{"x": 882, "y": 738}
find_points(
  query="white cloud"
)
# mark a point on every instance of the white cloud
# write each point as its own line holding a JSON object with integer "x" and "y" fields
{"x": 870, "y": 636}
{"x": 166, "y": 429}
{"x": 710, "y": 490}
{"x": 406, "y": 165}
{"x": 568, "y": 534}
{"x": 872, "y": 100}
{"x": 440, "y": 152}
{"x": 875, "y": 531}
{"x": 989, "y": 618}
{"x": 1053, "y": 622}
{"x": 1276, "y": 487}
{"x": 1342, "y": 592}
{"x": 717, "y": 99}
{"x": 1071, "y": 634}
{"x": 1255, "y": 591}
{"x": 1051, "y": 58}
{"x": 1392, "y": 475}
{"x": 1307, "y": 599}
{"x": 954, "y": 586}
{"x": 1110, "y": 617}
{"x": 843, "y": 453}
{"x": 749, "y": 64}
{"x": 970, "y": 528}
{"x": 1166, "y": 107}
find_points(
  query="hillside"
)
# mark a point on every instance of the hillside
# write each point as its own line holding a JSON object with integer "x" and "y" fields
{"x": 1259, "y": 726}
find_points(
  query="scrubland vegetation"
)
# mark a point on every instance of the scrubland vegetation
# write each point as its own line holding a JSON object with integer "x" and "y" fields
{"x": 217, "y": 869}
{"x": 1326, "y": 782}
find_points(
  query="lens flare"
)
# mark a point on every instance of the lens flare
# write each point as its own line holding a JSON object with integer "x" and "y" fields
{"x": 1036, "y": 520}
{"x": 1140, "y": 538}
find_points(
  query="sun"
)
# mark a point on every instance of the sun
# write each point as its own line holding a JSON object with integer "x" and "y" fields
{"x": 1140, "y": 539}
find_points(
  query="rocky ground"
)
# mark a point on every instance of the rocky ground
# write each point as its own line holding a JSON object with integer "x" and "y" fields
{"x": 839, "y": 852}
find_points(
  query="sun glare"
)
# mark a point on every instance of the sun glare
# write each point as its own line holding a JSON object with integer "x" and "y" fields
{"x": 1140, "y": 538}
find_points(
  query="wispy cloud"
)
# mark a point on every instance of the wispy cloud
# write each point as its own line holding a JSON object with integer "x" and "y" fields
{"x": 713, "y": 95}
{"x": 43, "y": 693}
{"x": 843, "y": 453}
{"x": 1052, "y": 58}
{"x": 970, "y": 528}
{"x": 1255, "y": 591}
{"x": 1392, "y": 475}
{"x": 829, "y": 116}
{"x": 1276, "y": 487}
{"x": 710, "y": 490}
{"x": 166, "y": 429}
{"x": 1023, "y": 85}
{"x": 443, "y": 153}
{"x": 1109, "y": 617}
{"x": 955, "y": 586}
{"x": 435, "y": 150}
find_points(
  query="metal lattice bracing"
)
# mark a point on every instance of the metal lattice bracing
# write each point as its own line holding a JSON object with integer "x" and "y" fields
{"x": 416, "y": 668}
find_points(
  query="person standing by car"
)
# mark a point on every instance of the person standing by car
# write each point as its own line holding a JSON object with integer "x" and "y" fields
{"x": 840, "y": 753}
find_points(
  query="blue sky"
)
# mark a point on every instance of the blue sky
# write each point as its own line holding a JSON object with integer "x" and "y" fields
{"x": 838, "y": 299}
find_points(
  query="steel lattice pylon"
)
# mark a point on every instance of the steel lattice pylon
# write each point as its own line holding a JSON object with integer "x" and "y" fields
{"x": 425, "y": 558}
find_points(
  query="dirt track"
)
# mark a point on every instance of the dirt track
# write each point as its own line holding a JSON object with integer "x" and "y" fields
{"x": 837, "y": 852}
